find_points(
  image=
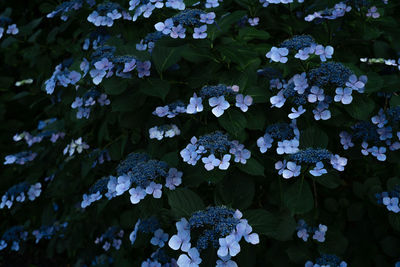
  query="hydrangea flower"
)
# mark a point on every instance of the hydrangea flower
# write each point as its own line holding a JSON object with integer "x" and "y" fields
{"x": 278, "y": 54}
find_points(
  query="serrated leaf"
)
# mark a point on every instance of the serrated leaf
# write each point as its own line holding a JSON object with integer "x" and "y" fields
{"x": 184, "y": 202}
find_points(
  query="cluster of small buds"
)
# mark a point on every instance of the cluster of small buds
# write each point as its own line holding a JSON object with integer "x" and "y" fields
{"x": 381, "y": 133}
{"x": 314, "y": 87}
{"x": 175, "y": 26}
{"x": 76, "y": 145}
{"x": 62, "y": 76}
{"x": 86, "y": 102}
{"x": 339, "y": 10}
{"x": 217, "y": 96}
{"x": 19, "y": 192}
{"x": 304, "y": 231}
{"x": 209, "y": 148}
{"x": 104, "y": 64}
{"x": 287, "y": 135}
{"x": 146, "y": 8}
{"x": 44, "y": 130}
{"x": 136, "y": 170}
{"x": 23, "y": 82}
{"x": 327, "y": 260}
{"x": 6, "y": 23}
{"x": 112, "y": 237}
{"x": 390, "y": 199}
{"x": 20, "y": 158}
{"x": 170, "y": 110}
{"x": 12, "y": 238}
{"x": 303, "y": 45}
{"x": 266, "y": 3}
{"x": 64, "y": 9}
{"x": 159, "y": 132}
{"x": 48, "y": 231}
{"x": 387, "y": 62}
{"x": 218, "y": 227}
{"x": 292, "y": 167}
{"x": 106, "y": 13}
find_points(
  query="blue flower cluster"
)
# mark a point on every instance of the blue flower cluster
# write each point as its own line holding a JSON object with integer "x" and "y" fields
{"x": 339, "y": 10}
{"x": 159, "y": 257}
{"x": 64, "y": 9}
{"x": 303, "y": 45}
{"x": 6, "y": 22}
{"x": 327, "y": 260}
{"x": 266, "y": 3}
{"x": 45, "y": 129}
{"x": 104, "y": 64}
{"x": 146, "y": 7}
{"x": 170, "y": 110}
{"x": 383, "y": 132}
{"x": 101, "y": 156}
{"x": 19, "y": 192}
{"x": 12, "y": 238}
{"x": 301, "y": 89}
{"x": 112, "y": 237}
{"x": 219, "y": 149}
{"x": 218, "y": 227}
{"x": 292, "y": 167}
{"x": 106, "y": 13}
{"x": 85, "y": 103}
{"x": 20, "y": 158}
{"x": 304, "y": 231}
{"x": 136, "y": 170}
{"x": 175, "y": 26}
{"x": 287, "y": 134}
{"x": 48, "y": 231}
{"x": 390, "y": 199}
{"x": 62, "y": 76}
{"x": 168, "y": 130}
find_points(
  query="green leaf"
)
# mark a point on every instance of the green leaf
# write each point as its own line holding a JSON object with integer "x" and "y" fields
{"x": 250, "y": 33}
{"x": 155, "y": 87}
{"x": 184, "y": 202}
{"x": 361, "y": 107}
{"x": 253, "y": 167}
{"x": 223, "y": 24}
{"x": 374, "y": 84}
{"x": 298, "y": 197}
{"x": 233, "y": 121}
{"x": 277, "y": 226}
{"x": 115, "y": 85}
{"x": 165, "y": 57}
{"x": 313, "y": 137}
{"x": 236, "y": 192}
{"x": 328, "y": 180}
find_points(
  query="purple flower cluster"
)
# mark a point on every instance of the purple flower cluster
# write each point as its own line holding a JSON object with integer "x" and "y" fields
{"x": 159, "y": 132}
{"x": 383, "y": 133}
{"x": 45, "y": 129}
{"x": 19, "y": 192}
{"x": 214, "y": 150}
{"x": 85, "y": 103}
{"x": 390, "y": 199}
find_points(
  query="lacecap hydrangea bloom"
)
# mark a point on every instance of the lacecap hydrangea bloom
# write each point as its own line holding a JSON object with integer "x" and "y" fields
{"x": 137, "y": 174}
{"x": 7, "y": 27}
{"x": 20, "y": 158}
{"x": 85, "y": 103}
{"x": 19, "y": 193}
{"x": 218, "y": 227}
{"x": 330, "y": 82}
{"x": 62, "y": 76}
{"x": 304, "y": 231}
{"x": 13, "y": 237}
{"x": 77, "y": 145}
{"x": 376, "y": 137}
{"x": 286, "y": 136}
{"x": 390, "y": 199}
{"x": 291, "y": 167}
{"x": 214, "y": 150}
{"x": 45, "y": 129}
{"x": 48, "y": 231}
